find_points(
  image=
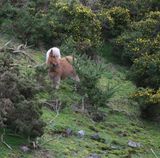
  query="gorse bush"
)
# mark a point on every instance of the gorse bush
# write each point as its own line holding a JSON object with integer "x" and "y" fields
{"x": 139, "y": 48}
{"x": 80, "y": 23}
{"x": 149, "y": 100}
{"x": 146, "y": 71}
{"x": 52, "y": 23}
{"x": 143, "y": 37}
{"x": 18, "y": 109}
{"x": 138, "y": 9}
{"x": 114, "y": 21}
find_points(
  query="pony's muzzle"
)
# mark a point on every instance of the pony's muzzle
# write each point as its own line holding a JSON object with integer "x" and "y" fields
{"x": 55, "y": 65}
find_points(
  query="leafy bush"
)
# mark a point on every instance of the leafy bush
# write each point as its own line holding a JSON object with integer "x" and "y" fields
{"x": 143, "y": 37}
{"x": 139, "y": 47}
{"x": 149, "y": 100}
{"x": 18, "y": 110}
{"x": 95, "y": 5}
{"x": 28, "y": 24}
{"x": 81, "y": 24}
{"x": 51, "y": 24}
{"x": 115, "y": 20}
{"x": 146, "y": 71}
{"x": 137, "y": 8}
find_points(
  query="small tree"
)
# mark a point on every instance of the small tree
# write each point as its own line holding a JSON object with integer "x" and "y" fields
{"x": 90, "y": 73}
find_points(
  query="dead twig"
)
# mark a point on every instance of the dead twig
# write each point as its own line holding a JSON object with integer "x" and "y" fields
{"x": 57, "y": 108}
{"x": 51, "y": 140}
{"x": 154, "y": 153}
{"x": 43, "y": 64}
{"x": 19, "y": 49}
{"x": 3, "y": 142}
{"x": 3, "y": 47}
{"x": 26, "y": 54}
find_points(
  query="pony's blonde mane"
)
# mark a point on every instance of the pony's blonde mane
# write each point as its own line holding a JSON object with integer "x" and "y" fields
{"x": 55, "y": 51}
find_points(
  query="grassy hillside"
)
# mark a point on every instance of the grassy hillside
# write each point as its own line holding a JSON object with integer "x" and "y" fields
{"x": 120, "y": 125}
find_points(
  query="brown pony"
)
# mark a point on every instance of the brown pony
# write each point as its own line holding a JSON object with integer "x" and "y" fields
{"x": 60, "y": 68}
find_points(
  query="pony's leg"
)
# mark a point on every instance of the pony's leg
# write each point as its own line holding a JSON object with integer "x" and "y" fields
{"x": 56, "y": 82}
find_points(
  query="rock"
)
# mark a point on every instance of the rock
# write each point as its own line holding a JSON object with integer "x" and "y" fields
{"x": 81, "y": 133}
{"x": 68, "y": 131}
{"x": 98, "y": 138}
{"x": 25, "y": 148}
{"x": 94, "y": 155}
{"x": 95, "y": 136}
{"x": 114, "y": 147}
{"x": 134, "y": 144}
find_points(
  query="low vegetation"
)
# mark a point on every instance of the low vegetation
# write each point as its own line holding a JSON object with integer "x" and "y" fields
{"x": 114, "y": 110}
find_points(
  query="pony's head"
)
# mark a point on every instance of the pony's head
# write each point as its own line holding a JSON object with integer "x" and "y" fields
{"x": 55, "y": 52}
{"x": 53, "y": 59}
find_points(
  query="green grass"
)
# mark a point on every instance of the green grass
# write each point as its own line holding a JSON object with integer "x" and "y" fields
{"x": 121, "y": 123}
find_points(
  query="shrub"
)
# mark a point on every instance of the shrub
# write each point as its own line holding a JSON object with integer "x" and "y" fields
{"x": 149, "y": 100}
{"x": 51, "y": 24}
{"x": 142, "y": 37}
{"x": 18, "y": 109}
{"x": 137, "y": 8}
{"x": 131, "y": 47}
{"x": 81, "y": 24}
{"x": 146, "y": 71}
{"x": 95, "y": 5}
{"x": 115, "y": 20}
{"x": 90, "y": 73}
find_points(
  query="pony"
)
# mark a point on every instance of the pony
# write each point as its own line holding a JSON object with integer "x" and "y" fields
{"x": 60, "y": 68}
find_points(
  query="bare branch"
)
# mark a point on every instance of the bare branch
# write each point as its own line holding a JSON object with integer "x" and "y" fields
{"x": 3, "y": 142}
{"x": 154, "y": 153}
{"x": 26, "y": 54}
{"x": 7, "y": 43}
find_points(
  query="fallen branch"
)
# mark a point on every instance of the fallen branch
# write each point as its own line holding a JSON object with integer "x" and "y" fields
{"x": 3, "y": 142}
{"x": 154, "y": 153}
{"x": 19, "y": 49}
{"x": 2, "y": 48}
{"x": 43, "y": 64}
{"x": 57, "y": 108}
{"x": 23, "y": 52}
{"x": 50, "y": 140}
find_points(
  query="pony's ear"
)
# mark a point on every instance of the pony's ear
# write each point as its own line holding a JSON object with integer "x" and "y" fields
{"x": 51, "y": 53}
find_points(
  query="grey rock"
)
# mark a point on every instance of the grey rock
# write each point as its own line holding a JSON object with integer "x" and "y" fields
{"x": 95, "y": 136}
{"x": 94, "y": 156}
{"x": 81, "y": 133}
{"x": 134, "y": 144}
{"x": 25, "y": 148}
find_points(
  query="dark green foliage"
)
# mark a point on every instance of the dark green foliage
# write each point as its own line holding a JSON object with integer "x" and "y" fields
{"x": 138, "y": 8}
{"x": 40, "y": 74}
{"x": 81, "y": 24}
{"x": 18, "y": 110}
{"x": 142, "y": 37}
{"x": 149, "y": 101}
{"x": 146, "y": 71}
{"x": 51, "y": 22}
{"x": 114, "y": 21}
{"x": 139, "y": 47}
{"x": 90, "y": 73}
{"x": 25, "y": 119}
